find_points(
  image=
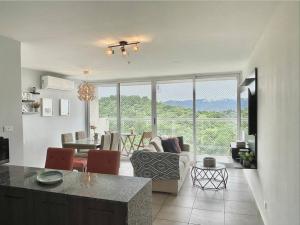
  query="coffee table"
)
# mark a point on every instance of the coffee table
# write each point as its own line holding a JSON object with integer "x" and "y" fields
{"x": 209, "y": 178}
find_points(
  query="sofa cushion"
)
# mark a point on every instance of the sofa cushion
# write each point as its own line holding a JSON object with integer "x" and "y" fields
{"x": 184, "y": 157}
{"x": 170, "y": 145}
{"x": 156, "y": 142}
{"x": 150, "y": 148}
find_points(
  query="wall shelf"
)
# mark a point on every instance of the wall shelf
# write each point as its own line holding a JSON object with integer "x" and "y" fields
{"x": 30, "y": 113}
{"x": 24, "y": 100}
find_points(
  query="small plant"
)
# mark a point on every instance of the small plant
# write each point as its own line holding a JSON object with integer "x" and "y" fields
{"x": 247, "y": 158}
{"x": 132, "y": 130}
{"x": 36, "y": 105}
{"x": 94, "y": 130}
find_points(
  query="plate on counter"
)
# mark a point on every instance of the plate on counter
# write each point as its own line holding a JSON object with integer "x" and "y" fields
{"x": 50, "y": 177}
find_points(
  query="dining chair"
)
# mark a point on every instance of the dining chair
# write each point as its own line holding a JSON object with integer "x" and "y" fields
{"x": 64, "y": 159}
{"x": 67, "y": 137}
{"x": 105, "y": 141}
{"x": 80, "y": 135}
{"x": 115, "y": 141}
{"x": 146, "y": 136}
{"x": 60, "y": 158}
{"x": 102, "y": 161}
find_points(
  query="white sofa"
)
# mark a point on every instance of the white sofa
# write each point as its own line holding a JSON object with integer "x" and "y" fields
{"x": 167, "y": 170}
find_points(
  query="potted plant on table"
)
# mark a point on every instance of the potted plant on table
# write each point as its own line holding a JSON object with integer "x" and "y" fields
{"x": 94, "y": 130}
{"x": 36, "y": 106}
{"x": 247, "y": 158}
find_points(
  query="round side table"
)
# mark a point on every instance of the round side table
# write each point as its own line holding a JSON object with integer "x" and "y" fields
{"x": 209, "y": 178}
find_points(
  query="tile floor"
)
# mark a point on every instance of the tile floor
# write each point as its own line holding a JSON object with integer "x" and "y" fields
{"x": 233, "y": 206}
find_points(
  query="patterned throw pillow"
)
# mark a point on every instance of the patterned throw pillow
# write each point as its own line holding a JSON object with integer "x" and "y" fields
{"x": 171, "y": 145}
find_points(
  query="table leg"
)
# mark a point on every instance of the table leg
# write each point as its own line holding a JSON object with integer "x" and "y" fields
{"x": 124, "y": 141}
{"x": 131, "y": 141}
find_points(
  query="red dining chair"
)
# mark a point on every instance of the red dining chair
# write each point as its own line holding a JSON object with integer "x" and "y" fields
{"x": 79, "y": 164}
{"x": 102, "y": 161}
{"x": 60, "y": 158}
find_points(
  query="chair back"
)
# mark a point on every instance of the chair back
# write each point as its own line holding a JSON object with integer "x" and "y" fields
{"x": 102, "y": 161}
{"x": 60, "y": 158}
{"x": 146, "y": 136}
{"x": 68, "y": 137}
{"x": 105, "y": 141}
{"x": 115, "y": 141}
{"x": 80, "y": 135}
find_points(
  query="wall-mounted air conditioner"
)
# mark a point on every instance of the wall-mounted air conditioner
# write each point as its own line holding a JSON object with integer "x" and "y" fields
{"x": 49, "y": 82}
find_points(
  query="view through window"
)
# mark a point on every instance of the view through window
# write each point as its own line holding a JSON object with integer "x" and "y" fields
{"x": 135, "y": 108}
{"x": 216, "y": 116}
{"x": 175, "y": 109}
{"x": 103, "y": 111}
{"x": 215, "y": 111}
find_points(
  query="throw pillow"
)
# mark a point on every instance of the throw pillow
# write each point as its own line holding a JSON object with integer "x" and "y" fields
{"x": 169, "y": 145}
{"x": 180, "y": 140}
{"x": 156, "y": 141}
{"x": 177, "y": 145}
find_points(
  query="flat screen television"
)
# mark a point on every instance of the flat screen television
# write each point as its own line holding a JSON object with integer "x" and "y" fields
{"x": 248, "y": 99}
{"x": 248, "y": 112}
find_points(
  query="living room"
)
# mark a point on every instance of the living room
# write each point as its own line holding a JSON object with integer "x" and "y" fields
{"x": 138, "y": 77}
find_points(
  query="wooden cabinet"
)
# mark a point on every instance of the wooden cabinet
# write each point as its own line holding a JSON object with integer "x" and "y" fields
{"x": 27, "y": 207}
{"x": 51, "y": 209}
{"x": 15, "y": 207}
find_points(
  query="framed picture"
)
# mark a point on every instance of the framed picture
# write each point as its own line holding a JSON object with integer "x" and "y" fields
{"x": 64, "y": 107}
{"x": 47, "y": 107}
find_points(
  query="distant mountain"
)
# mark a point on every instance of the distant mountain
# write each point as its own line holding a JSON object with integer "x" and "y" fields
{"x": 204, "y": 105}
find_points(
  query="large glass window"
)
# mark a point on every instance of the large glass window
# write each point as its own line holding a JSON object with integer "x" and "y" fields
{"x": 216, "y": 115}
{"x": 103, "y": 111}
{"x": 135, "y": 108}
{"x": 174, "y": 109}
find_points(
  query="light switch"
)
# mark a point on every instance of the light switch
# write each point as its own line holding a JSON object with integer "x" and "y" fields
{"x": 8, "y": 128}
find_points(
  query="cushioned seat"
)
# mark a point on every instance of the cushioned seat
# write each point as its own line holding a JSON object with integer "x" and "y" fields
{"x": 101, "y": 161}
{"x": 59, "y": 158}
{"x": 184, "y": 157}
{"x": 80, "y": 164}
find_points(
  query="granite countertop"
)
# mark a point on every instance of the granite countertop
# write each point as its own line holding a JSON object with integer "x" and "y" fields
{"x": 89, "y": 185}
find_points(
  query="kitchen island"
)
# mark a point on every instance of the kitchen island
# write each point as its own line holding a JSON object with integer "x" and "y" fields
{"x": 81, "y": 199}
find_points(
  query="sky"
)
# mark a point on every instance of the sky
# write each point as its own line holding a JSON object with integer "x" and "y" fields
{"x": 178, "y": 91}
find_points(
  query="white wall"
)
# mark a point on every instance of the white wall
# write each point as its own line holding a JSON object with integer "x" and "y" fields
{"x": 277, "y": 179}
{"x": 10, "y": 97}
{"x": 43, "y": 132}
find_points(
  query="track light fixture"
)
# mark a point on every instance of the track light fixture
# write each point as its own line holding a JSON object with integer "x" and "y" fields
{"x": 122, "y": 44}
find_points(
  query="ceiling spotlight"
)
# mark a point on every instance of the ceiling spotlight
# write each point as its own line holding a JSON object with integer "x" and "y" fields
{"x": 123, "y": 50}
{"x": 136, "y": 48}
{"x": 110, "y": 51}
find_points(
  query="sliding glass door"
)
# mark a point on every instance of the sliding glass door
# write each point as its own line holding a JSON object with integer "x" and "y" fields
{"x": 216, "y": 115}
{"x": 174, "y": 109}
{"x": 135, "y": 108}
{"x": 203, "y": 111}
{"x": 103, "y": 111}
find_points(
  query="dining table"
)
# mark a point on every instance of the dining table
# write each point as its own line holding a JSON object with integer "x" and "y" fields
{"x": 86, "y": 143}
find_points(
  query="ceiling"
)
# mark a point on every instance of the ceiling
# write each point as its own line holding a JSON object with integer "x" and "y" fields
{"x": 177, "y": 37}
